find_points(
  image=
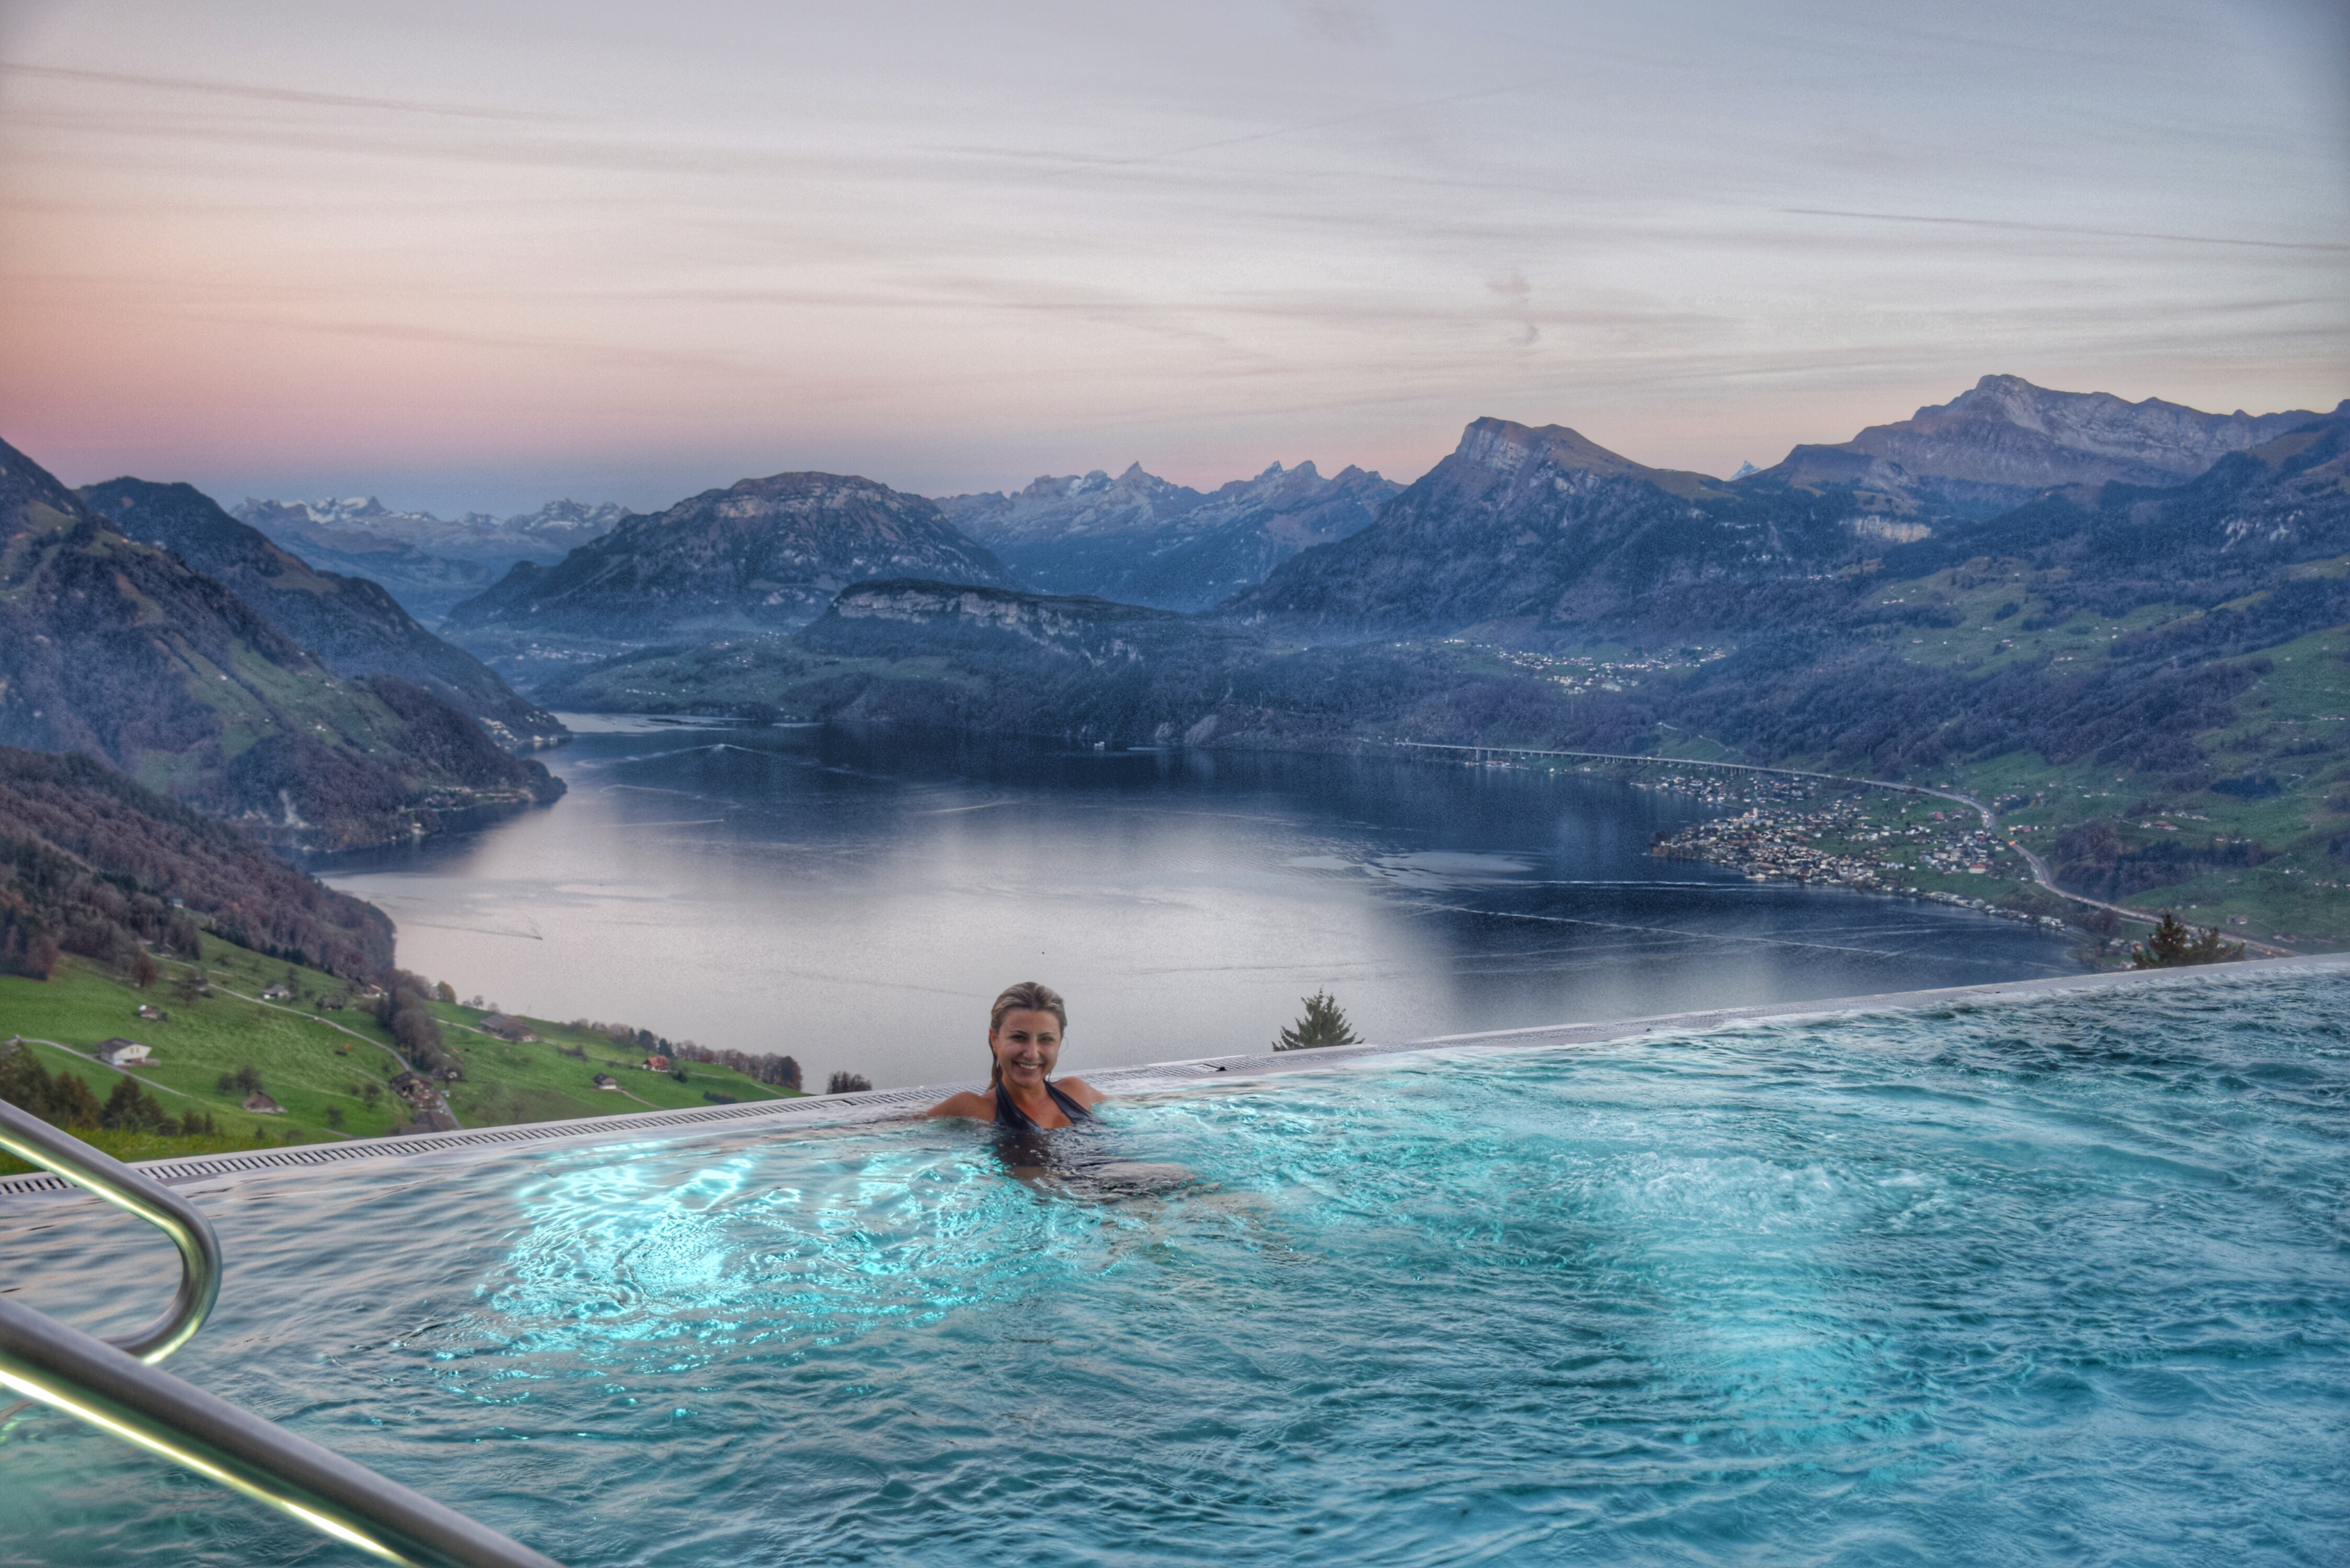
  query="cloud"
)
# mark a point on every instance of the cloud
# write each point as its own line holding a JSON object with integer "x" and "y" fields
{"x": 265, "y": 94}
{"x": 1278, "y": 132}
{"x": 2015, "y": 227}
{"x": 956, "y": 235}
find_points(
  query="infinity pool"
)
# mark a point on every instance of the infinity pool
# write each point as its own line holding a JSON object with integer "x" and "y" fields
{"x": 2060, "y": 1281}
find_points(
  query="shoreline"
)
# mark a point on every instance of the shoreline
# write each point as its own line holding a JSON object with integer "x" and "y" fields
{"x": 2034, "y": 898}
{"x": 202, "y": 1173}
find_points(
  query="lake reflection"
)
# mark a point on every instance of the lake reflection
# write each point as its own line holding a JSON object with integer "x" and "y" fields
{"x": 857, "y": 899}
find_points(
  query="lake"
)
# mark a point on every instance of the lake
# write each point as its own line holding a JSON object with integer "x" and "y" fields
{"x": 857, "y": 899}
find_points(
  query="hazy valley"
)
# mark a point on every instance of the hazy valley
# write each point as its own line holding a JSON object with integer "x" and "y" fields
{"x": 2088, "y": 608}
{"x": 2119, "y": 628}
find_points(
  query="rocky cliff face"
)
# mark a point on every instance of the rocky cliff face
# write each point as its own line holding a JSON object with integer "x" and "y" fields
{"x": 765, "y": 554}
{"x": 902, "y": 614}
{"x": 1525, "y": 527}
{"x": 119, "y": 649}
{"x": 2003, "y": 441}
{"x": 349, "y": 624}
{"x": 1140, "y": 539}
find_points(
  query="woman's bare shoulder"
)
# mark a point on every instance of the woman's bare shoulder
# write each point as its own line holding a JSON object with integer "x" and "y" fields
{"x": 1077, "y": 1089}
{"x": 967, "y": 1103}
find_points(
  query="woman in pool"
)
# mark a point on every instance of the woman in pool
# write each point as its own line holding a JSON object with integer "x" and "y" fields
{"x": 1024, "y": 1043}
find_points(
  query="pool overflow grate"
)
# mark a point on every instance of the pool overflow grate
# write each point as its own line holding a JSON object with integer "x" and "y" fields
{"x": 894, "y": 1104}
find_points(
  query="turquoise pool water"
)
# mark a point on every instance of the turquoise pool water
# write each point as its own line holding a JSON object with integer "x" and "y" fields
{"x": 2067, "y": 1281}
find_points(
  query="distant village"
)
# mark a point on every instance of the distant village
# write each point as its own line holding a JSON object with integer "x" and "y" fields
{"x": 1839, "y": 846}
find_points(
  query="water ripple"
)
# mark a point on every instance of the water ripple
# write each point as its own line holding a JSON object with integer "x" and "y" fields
{"x": 2064, "y": 1282}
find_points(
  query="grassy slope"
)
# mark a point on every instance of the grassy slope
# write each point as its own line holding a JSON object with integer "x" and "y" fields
{"x": 2290, "y": 724}
{"x": 2293, "y": 724}
{"x": 2298, "y": 708}
{"x": 308, "y": 1064}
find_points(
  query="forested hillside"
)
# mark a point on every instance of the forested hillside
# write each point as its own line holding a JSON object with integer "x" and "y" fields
{"x": 120, "y": 651}
{"x": 765, "y": 552}
{"x": 98, "y": 865}
{"x": 127, "y": 916}
{"x": 349, "y": 624}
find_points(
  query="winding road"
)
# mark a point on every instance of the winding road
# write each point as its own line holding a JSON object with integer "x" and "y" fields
{"x": 2040, "y": 872}
{"x": 148, "y": 1084}
{"x": 401, "y": 1062}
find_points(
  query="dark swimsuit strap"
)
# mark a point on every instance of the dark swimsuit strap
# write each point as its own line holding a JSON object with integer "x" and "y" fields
{"x": 1008, "y": 1115}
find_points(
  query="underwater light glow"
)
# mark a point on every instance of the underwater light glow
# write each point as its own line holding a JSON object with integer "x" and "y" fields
{"x": 2041, "y": 1282}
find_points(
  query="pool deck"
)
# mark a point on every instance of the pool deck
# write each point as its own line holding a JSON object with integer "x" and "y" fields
{"x": 767, "y": 1119}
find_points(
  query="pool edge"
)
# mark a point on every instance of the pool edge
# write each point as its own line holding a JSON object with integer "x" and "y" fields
{"x": 211, "y": 1172}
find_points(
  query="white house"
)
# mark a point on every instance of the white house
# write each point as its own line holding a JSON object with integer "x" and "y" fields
{"x": 120, "y": 1053}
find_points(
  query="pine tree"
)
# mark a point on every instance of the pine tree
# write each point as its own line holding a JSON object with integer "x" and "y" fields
{"x": 131, "y": 1108}
{"x": 24, "y": 1082}
{"x": 1323, "y": 1024}
{"x": 71, "y": 1105}
{"x": 2175, "y": 943}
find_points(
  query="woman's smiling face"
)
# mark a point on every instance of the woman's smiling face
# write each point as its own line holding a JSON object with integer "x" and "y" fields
{"x": 1026, "y": 1045}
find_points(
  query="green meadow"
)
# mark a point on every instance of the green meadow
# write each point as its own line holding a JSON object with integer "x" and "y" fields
{"x": 320, "y": 1055}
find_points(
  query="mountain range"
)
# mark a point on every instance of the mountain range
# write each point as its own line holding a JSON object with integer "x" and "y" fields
{"x": 1139, "y": 539}
{"x": 118, "y": 649}
{"x": 541, "y": 535}
{"x": 765, "y": 554}
{"x": 152, "y": 630}
{"x": 2004, "y": 440}
{"x": 2111, "y": 623}
{"x": 1519, "y": 529}
{"x": 425, "y": 562}
{"x": 349, "y": 624}
{"x": 1543, "y": 534}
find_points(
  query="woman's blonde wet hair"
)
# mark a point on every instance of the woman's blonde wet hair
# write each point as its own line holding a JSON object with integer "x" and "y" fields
{"x": 1028, "y": 996}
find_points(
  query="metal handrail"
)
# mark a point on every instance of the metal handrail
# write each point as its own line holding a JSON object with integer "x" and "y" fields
{"x": 88, "y": 1378}
{"x": 114, "y": 1387}
{"x": 30, "y": 1139}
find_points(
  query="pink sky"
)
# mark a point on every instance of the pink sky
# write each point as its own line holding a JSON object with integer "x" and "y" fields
{"x": 475, "y": 257}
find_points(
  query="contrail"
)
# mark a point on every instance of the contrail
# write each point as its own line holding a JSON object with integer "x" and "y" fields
{"x": 2066, "y": 229}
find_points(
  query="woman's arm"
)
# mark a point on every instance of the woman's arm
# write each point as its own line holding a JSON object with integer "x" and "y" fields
{"x": 1077, "y": 1089}
{"x": 979, "y": 1107}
